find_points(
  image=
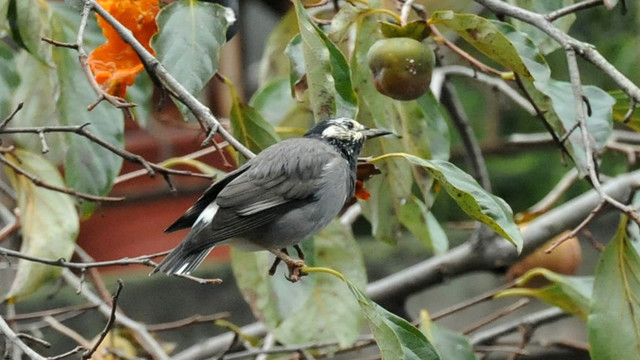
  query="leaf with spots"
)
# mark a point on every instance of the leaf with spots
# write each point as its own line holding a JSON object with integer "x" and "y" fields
{"x": 48, "y": 222}
{"x": 614, "y": 321}
{"x": 482, "y": 34}
{"x": 469, "y": 195}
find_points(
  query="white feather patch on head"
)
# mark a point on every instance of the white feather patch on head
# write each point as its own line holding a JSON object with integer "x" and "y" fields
{"x": 344, "y": 128}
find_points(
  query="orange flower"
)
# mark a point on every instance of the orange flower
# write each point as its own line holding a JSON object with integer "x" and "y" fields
{"x": 114, "y": 63}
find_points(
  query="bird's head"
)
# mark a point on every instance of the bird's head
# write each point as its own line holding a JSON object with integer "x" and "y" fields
{"x": 346, "y": 135}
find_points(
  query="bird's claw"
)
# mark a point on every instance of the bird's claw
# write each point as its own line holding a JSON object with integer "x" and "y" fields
{"x": 294, "y": 266}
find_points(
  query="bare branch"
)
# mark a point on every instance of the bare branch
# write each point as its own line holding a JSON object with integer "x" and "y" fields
{"x": 555, "y": 15}
{"x": 112, "y": 318}
{"x": 81, "y": 130}
{"x": 195, "y": 319}
{"x": 534, "y": 320}
{"x": 585, "y": 50}
{"x": 38, "y": 182}
{"x": 11, "y": 116}
{"x": 587, "y": 140}
{"x": 52, "y": 312}
{"x": 144, "y": 338}
{"x": 440, "y": 74}
{"x": 202, "y": 113}
{"x": 13, "y": 338}
{"x": 497, "y": 315}
{"x": 461, "y": 121}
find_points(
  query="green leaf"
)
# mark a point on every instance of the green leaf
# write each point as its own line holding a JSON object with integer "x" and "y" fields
{"x": 274, "y": 62}
{"x": 248, "y": 126}
{"x": 190, "y": 35}
{"x": 396, "y": 337}
{"x": 343, "y": 20}
{"x": 484, "y": 36}
{"x": 570, "y": 293}
{"x": 555, "y": 99}
{"x": 29, "y": 22}
{"x": 9, "y": 79}
{"x": 449, "y": 344}
{"x": 542, "y": 41}
{"x": 39, "y": 90}
{"x": 470, "y": 196}
{"x": 48, "y": 222}
{"x": 89, "y": 168}
{"x": 297, "y": 70}
{"x": 621, "y": 108}
{"x": 599, "y": 124}
{"x": 279, "y": 108}
{"x": 416, "y": 217}
{"x": 327, "y": 72}
{"x": 319, "y": 305}
{"x": 614, "y": 321}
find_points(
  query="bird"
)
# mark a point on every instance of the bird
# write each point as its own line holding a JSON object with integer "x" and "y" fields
{"x": 287, "y": 193}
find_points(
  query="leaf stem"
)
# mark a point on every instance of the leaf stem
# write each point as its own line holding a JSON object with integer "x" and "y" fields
{"x": 309, "y": 270}
{"x": 395, "y": 16}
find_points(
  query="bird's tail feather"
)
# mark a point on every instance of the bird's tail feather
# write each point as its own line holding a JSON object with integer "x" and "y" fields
{"x": 180, "y": 262}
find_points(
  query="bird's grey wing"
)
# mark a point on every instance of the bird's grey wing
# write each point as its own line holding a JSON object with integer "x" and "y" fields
{"x": 283, "y": 177}
{"x": 191, "y": 215}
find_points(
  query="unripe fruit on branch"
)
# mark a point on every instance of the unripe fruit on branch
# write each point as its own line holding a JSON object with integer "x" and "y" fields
{"x": 401, "y": 67}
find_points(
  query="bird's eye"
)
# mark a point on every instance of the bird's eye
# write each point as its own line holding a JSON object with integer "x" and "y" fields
{"x": 349, "y": 125}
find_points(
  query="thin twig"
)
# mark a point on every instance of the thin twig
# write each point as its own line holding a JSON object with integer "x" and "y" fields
{"x": 73, "y": 351}
{"x": 81, "y": 130}
{"x": 497, "y": 315}
{"x": 13, "y": 338}
{"x": 578, "y": 228}
{"x": 112, "y": 318}
{"x": 461, "y": 121}
{"x": 195, "y": 319}
{"x": 52, "y": 312}
{"x": 585, "y": 50}
{"x": 556, "y": 193}
{"x": 587, "y": 140}
{"x": 36, "y": 181}
{"x": 556, "y": 14}
{"x": 11, "y": 116}
{"x": 67, "y": 331}
{"x": 542, "y": 117}
{"x": 144, "y": 338}
{"x": 83, "y": 58}
{"x": 470, "y": 302}
{"x": 405, "y": 11}
{"x": 441, "y": 73}
{"x": 101, "y": 287}
{"x": 142, "y": 260}
{"x": 202, "y": 113}
{"x": 34, "y": 339}
{"x": 534, "y": 320}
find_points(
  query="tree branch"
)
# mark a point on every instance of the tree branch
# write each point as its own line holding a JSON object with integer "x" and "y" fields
{"x": 13, "y": 338}
{"x": 144, "y": 338}
{"x": 81, "y": 130}
{"x": 555, "y": 15}
{"x": 463, "y": 259}
{"x": 203, "y": 114}
{"x": 585, "y": 50}
{"x": 38, "y": 182}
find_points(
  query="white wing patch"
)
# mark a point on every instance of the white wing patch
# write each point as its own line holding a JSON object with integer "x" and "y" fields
{"x": 206, "y": 216}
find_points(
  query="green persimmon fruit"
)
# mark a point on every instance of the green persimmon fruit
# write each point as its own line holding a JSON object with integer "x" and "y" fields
{"x": 401, "y": 67}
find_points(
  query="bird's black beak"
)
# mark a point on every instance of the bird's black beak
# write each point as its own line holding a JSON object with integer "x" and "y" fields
{"x": 372, "y": 133}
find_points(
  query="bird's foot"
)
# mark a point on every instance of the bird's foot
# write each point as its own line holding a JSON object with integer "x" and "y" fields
{"x": 294, "y": 266}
